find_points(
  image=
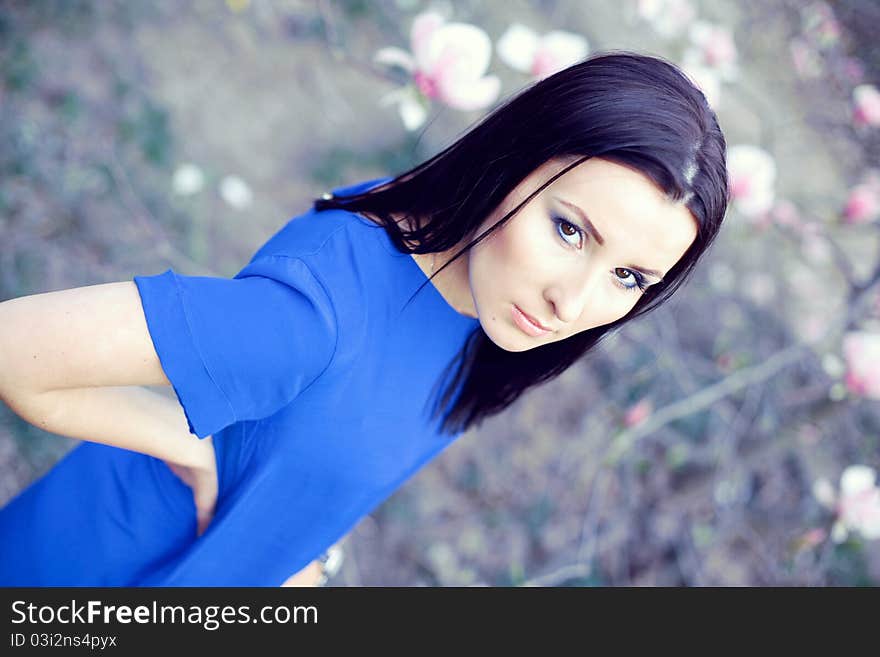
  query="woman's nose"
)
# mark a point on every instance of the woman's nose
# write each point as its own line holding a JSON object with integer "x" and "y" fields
{"x": 571, "y": 296}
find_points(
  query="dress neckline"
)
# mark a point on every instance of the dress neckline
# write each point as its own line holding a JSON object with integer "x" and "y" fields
{"x": 425, "y": 277}
{"x": 389, "y": 246}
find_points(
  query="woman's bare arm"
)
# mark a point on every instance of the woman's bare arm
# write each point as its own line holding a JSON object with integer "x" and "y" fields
{"x": 72, "y": 363}
{"x": 82, "y": 337}
{"x": 130, "y": 417}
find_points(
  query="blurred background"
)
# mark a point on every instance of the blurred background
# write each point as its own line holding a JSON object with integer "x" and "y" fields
{"x": 731, "y": 438}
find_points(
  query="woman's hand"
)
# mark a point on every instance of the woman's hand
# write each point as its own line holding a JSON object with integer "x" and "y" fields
{"x": 202, "y": 479}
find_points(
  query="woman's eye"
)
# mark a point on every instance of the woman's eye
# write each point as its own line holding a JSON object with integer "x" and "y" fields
{"x": 630, "y": 280}
{"x": 568, "y": 230}
{"x": 626, "y": 278}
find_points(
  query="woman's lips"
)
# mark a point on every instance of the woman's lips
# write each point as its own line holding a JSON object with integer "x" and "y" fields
{"x": 526, "y": 324}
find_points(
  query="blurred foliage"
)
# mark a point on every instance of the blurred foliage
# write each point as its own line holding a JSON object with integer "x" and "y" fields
{"x": 340, "y": 163}
{"x": 148, "y": 128}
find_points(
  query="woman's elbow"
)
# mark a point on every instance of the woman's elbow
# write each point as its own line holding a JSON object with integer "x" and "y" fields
{"x": 311, "y": 575}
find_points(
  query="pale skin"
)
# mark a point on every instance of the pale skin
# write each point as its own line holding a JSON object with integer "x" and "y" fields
{"x": 567, "y": 281}
{"x": 74, "y": 362}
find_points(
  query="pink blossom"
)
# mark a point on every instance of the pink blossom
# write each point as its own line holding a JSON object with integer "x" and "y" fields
{"x": 866, "y": 105}
{"x": 713, "y": 47}
{"x": 856, "y": 506}
{"x": 448, "y": 63}
{"x": 861, "y": 351}
{"x": 862, "y": 204}
{"x": 638, "y": 412}
{"x": 752, "y": 179}
{"x": 523, "y": 49}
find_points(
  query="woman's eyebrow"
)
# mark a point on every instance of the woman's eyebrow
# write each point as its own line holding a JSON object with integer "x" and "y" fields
{"x": 591, "y": 229}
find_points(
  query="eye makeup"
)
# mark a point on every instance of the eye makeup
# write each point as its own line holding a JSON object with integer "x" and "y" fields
{"x": 562, "y": 224}
{"x": 591, "y": 229}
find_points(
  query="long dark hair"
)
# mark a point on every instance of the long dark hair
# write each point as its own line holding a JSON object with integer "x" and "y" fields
{"x": 636, "y": 110}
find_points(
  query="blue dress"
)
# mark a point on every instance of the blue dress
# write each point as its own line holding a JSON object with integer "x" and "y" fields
{"x": 313, "y": 380}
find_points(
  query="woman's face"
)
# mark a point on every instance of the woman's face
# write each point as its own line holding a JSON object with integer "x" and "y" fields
{"x": 572, "y": 271}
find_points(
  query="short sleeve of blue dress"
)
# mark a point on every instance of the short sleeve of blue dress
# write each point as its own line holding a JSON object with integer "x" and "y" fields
{"x": 311, "y": 367}
{"x": 240, "y": 348}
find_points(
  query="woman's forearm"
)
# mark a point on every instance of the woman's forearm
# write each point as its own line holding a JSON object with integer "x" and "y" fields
{"x": 131, "y": 417}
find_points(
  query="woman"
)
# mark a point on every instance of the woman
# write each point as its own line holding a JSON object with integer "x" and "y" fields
{"x": 318, "y": 379}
